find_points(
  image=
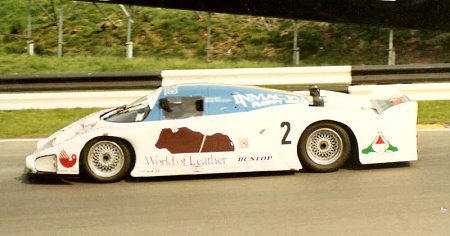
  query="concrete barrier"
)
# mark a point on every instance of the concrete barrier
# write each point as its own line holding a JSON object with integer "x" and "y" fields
{"x": 418, "y": 92}
{"x": 330, "y": 75}
{"x": 18, "y": 101}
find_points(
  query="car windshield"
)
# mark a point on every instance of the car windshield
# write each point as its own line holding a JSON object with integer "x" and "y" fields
{"x": 135, "y": 112}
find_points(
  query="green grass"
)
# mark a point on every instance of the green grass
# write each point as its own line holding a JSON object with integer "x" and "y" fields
{"x": 38, "y": 123}
{"x": 24, "y": 64}
{"x": 42, "y": 123}
{"x": 434, "y": 112}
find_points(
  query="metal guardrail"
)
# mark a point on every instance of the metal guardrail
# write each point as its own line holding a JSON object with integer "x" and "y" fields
{"x": 325, "y": 76}
{"x": 80, "y": 81}
{"x": 401, "y": 74}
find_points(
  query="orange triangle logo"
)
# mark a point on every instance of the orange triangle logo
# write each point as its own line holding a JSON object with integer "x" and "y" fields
{"x": 380, "y": 140}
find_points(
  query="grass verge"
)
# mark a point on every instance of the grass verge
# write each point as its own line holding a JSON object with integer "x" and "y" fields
{"x": 24, "y": 64}
{"x": 38, "y": 123}
{"x": 434, "y": 112}
{"x": 42, "y": 123}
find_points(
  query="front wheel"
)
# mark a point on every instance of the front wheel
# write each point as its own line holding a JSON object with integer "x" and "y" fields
{"x": 105, "y": 160}
{"x": 324, "y": 147}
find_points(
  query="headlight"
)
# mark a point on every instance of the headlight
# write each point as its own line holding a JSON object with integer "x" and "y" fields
{"x": 46, "y": 163}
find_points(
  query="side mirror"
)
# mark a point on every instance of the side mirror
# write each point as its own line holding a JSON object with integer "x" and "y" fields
{"x": 314, "y": 91}
{"x": 164, "y": 104}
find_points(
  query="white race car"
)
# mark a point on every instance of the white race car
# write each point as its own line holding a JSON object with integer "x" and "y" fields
{"x": 206, "y": 128}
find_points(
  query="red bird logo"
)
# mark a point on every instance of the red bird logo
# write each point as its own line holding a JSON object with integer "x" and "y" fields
{"x": 67, "y": 161}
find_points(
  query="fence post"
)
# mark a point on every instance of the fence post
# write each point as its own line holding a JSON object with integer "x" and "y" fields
{"x": 391, "y": 53}
{"x": 30, "y": 43}
{"x": 60, "y": 29}
{"x": 295, "y": 48}
{"x": 129, "y": 43}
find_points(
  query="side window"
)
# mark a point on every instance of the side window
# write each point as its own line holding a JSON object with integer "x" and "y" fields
{"x": 181, "y": 107}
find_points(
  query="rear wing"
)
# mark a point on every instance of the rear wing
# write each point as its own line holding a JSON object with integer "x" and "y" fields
{"x": 394, "y": 137}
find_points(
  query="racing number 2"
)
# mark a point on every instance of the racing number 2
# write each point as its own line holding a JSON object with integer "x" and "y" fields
{"x": 288, "y": 129}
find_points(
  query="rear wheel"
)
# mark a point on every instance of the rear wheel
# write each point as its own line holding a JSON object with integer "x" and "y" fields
{"x": 105, "y": 160}
{"x": 324, "y": 147}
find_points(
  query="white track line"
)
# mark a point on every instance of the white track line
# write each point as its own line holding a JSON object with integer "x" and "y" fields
{"x": 20, "y": 140}
{"x": 428, "y": 130}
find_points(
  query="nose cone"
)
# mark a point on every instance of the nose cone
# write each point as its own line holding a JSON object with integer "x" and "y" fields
{"x": 29, "y": 163}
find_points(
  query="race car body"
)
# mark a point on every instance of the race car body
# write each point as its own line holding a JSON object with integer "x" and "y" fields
{"x": 207, "y": 128}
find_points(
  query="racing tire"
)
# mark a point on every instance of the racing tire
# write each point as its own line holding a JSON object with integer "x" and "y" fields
{"x": 105, "y": 160}
{"x": 324, "y": 147}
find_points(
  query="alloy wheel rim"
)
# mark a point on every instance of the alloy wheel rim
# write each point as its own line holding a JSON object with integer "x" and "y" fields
{"x": 106, "y": 159}
{"x": 324, "y": 146}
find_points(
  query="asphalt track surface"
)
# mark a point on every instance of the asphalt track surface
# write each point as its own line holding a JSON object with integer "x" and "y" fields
{"x": 389, "y": 199}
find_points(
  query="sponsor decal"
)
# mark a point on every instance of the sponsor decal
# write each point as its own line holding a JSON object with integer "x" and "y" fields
{"x": 254, "y": 100}
{"x": 171, "y": 161}
{"x": 184, "y": 140}
{"x": 171, "y": 90}
{"x": 67, "y": 161}
{"x": 261, "y": 158}
{"x": 380, "y": 145}
{"x": 395, "y": 101}
{"x": 217, "y": 100}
